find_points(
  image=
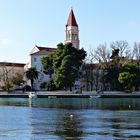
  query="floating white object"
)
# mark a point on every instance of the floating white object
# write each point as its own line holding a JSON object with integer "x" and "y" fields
{"x": 31, "y": 95}
{"x": 71, "y": 116}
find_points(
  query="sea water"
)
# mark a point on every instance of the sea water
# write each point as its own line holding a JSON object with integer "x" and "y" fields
{"x": 69, "y": 119}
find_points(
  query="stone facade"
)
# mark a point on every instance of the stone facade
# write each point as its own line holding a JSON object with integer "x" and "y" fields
{"x": 36, "y": 55}
{"x": 8, "y": 70}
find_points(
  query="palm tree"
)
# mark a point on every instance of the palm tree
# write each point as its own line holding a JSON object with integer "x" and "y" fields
{"x": 32, "y": 74}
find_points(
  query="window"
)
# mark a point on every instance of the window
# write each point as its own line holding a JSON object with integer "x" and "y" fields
{"x": 73, "y": 36}
{"x": 68, "y": 35}
{"x": 35, "y": 59}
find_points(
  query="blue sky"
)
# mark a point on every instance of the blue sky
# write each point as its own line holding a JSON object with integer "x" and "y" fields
{"x": 25, "y": 23}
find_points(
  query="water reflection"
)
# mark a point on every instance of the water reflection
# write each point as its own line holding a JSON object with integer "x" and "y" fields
{"x": 58, "y": 124}
{"x": 118, "y": 104}
{"x": 69, "y": 127}
{"x": 70, "y": 119}
{"x": 93, "y": 103}
{"x": 14, "y": 102}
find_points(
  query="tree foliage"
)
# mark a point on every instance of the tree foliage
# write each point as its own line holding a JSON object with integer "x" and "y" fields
{"x": 126, "y": 79}
{"x": 47, "y": 63}
{"x": 122, "y": 47}
{"x": 123, "y": 63}
{"x": 65, "y": 62}
{"x": 7, "y": 85}
{"x": 17, "y": 79}
{"x": 129, "y": 75}
{"x": 32, "y": 74}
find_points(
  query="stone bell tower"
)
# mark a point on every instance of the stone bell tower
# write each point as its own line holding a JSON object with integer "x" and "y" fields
{"x": 72, "y": 31}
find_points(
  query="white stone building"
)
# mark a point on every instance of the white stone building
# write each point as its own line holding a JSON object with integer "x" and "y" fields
{"x": 35, "y": 61}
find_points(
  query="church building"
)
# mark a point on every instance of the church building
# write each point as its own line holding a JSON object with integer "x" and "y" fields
{"x": 38, "y": 52}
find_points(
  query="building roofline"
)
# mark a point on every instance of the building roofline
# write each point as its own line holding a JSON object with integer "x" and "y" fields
{"x": 43, "y": 49}
{"x": 12, "y": 64}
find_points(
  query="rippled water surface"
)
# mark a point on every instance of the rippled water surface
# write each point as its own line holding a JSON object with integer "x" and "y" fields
{"x": 69, "y": 119}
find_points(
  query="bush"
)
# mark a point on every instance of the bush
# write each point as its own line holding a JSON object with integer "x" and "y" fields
{"x": 27, "y": 88}
{"x": 43, "y": 85}
{"x": 51, "y": 86}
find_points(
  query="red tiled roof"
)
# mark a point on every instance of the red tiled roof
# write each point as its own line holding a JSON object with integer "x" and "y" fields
{"x": 71, "y": 20}
{"x": 45, "y": 48}
{"x": 43, "y": 52}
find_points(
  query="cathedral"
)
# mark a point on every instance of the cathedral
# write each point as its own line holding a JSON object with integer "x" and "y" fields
{"x": 71, "y": 36}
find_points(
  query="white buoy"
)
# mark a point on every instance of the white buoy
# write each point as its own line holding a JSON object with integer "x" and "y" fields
{"x": 129, "y": 106}
{"x": 71, "y": 116}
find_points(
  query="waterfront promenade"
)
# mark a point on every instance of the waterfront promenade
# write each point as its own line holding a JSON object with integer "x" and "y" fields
{"x": 68, "y": 94}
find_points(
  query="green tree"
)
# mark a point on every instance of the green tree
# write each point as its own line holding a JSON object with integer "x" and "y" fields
{"x": 32, "y": 74}
{"x": 126, "y": 79}
{"x": 17, "y": 79}
{"x": 112, "y": 70}
{"x": 51, "y": 85}
{"x": 47, "y": 63}
{"x": 7, "y": 85}
{"x": 43, "y": 85}
{"x": 67, "y": 61}
{"x": 128, "y": 75}
{"x": 137, "y": 78}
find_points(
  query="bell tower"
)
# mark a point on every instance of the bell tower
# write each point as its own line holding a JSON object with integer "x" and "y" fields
{"x": 72, "y": 31}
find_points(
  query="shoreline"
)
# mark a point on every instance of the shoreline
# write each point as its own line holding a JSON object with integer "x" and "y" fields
{"x": 63, "y": 94}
